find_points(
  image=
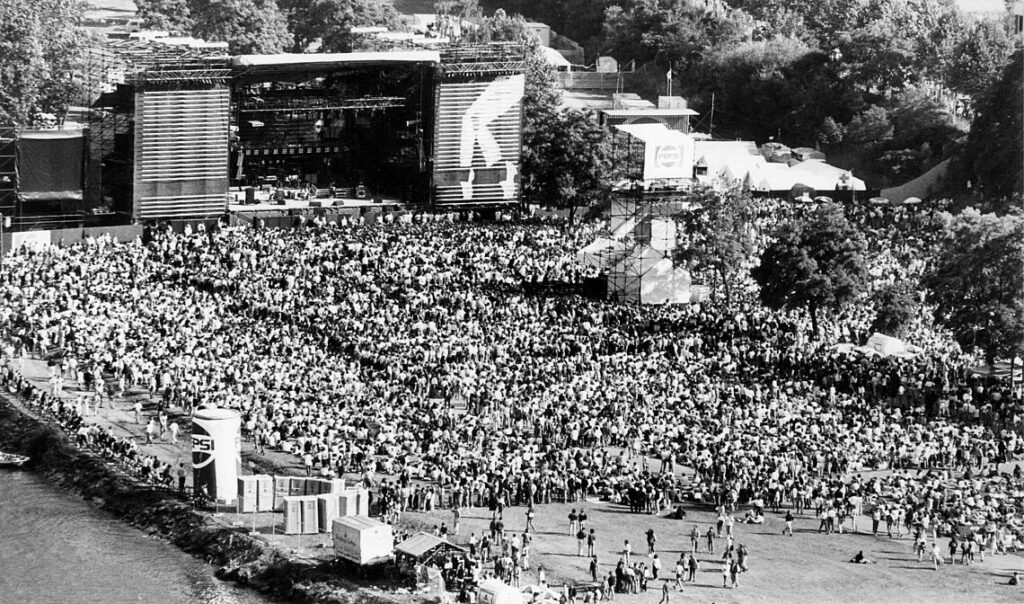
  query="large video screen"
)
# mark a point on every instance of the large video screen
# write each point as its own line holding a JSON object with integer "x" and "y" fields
{"x": 181, "y": 153}
{"x": 477, "y": 145}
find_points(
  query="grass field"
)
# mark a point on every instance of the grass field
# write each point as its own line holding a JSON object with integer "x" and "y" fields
{"x": 808, "y": 567}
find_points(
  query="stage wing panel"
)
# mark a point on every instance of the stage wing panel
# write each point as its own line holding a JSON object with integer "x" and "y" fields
{"x": 477, "y": 148}
{"x": 181, "y": 153}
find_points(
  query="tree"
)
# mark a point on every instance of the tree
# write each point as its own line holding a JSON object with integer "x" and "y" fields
{"x": 991, "y": 155}
{"x": 173, "y": 16}
{"x": 721, "y": 234}
{"x": 896, "y": 306}
{"x": 870, "y": 129}
{"x": 772, "y": 87}
{"x": 566, "y": 156}
{"x": 248, "y": 26}
{"x": 814, "y": 264}
{"x": 332, "y": 21}
{"x": 41, "y": 48}
{"x": 670, "y": 31}
{"x": 977, "y": 283}
{"x": 978, "y": 58}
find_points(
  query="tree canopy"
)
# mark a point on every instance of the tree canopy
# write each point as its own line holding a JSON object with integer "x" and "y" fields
{"x": 896, "y": 306}
{"x": 720, "y": 234}
{"x": 566, "y": 154}
{"x": 977, "y": 283}
{"x": 814, "y": 264}
{"x": 172, "y": 16}
{"x": 332, "y": 21}
{"x": 991, "y": 157}
{"x": 248, "y": 26}
{"x": 41, "y": 49}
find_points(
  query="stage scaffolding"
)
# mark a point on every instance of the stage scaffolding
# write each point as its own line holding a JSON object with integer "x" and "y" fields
{"x": 113, "y": 70}
{"x": 481, "y": 60}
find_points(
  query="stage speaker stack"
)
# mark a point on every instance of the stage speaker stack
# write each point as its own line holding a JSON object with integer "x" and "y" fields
{"x": 264, "y": 493}
{"x": 292, "y": 515}
{"x": 247, "y": 490}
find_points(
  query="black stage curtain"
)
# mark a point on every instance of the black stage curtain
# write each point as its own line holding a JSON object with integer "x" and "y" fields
{"x": 50, "y": 165}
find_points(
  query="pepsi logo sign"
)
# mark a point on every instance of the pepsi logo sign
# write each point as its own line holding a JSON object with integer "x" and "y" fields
{"x": 668, "y": 156}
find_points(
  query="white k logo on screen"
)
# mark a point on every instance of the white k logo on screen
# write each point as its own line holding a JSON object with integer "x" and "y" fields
{"x": 499, "y": 96}
{"x": 496, "y": 99}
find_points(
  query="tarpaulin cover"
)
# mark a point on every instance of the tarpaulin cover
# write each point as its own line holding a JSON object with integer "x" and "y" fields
{"x": 50, "y": 165}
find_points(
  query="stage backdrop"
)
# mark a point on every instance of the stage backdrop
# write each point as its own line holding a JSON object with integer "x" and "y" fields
{"x": 181, "y": 153}
{"x": 50, "y": 165}
{"x": 478, "y": 141}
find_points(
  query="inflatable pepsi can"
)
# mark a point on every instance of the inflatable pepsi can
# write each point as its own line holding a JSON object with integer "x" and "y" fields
{"x": 217, "y": 452}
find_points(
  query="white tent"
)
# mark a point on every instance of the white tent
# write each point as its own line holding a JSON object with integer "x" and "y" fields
{"x": 889, "y": 346}
{"x": 601, "y": 253}
{"x": 648, "y": 276}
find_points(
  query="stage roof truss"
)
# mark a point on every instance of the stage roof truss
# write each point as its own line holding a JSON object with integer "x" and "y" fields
{"x": 333, "y": 105}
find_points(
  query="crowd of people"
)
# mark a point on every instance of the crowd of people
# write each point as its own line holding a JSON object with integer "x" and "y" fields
{"x": 419, "y": 355}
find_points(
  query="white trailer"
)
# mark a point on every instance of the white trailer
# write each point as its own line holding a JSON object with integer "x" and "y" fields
{"x": 363, "y": 541}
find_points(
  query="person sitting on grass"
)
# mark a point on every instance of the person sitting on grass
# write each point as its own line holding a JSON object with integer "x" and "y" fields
{"x": 860, "y": 559}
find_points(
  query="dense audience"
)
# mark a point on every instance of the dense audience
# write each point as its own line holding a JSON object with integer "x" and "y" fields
{"x": 455, "y": 364}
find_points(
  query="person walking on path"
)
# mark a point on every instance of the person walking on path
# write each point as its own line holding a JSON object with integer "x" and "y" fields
{"x": 680, "y": 572}
{"x": 652, "y": 539}
{"x": 937, "y": 560}
{"x": 591, "y": 541}
{"x": 694, "y": 539}
{"x": 692, "y": 566}
{"x": 711, "y": 539}
{"x": 572, "y": 522}
{"x": 789, "y": 523}
{"x": 664, "y": 593}
{"x": 581, "y": 538}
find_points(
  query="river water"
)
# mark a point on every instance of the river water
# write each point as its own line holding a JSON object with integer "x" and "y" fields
{"x": 56, "y": 548}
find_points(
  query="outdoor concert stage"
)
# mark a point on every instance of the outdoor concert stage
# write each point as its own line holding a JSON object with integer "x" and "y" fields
{"x": 170, "y": 128}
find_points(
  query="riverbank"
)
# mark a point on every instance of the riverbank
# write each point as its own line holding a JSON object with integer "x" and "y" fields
{"x": 240, "y": 557}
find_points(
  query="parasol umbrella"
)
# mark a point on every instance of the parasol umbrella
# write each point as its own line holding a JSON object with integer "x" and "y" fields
{"x": 805, "y": 198}
{"x": 823, "y": 199}
{"x": 910, "y": 201}
{"x": 879, "y": 201}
